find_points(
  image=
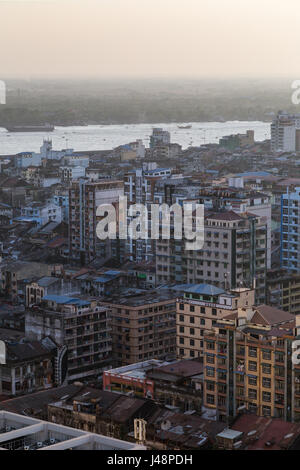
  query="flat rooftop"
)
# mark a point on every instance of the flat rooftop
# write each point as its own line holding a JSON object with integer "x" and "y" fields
{"x": 138, "y": 370}
{"x": 23, "y": 433}
{"x": 145, "y": 298}
{"x": 184, "y": 368}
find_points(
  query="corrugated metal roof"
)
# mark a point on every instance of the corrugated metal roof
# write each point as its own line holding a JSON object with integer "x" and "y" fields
{"x": 205, "y": 289}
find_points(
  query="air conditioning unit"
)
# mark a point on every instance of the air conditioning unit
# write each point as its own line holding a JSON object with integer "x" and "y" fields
{"x": 26, "y": 447}
{"x": 8, "y": 428}
{"x": 52, "y": 441}
{"x": 39, "y": 444}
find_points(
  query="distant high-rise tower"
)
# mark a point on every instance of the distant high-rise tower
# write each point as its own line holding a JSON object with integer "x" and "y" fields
{"x": 290, "y": 230}
{"x": 285, "y": 133}
{"x": 159, "y": 137}
{"x": 84, "y": 199}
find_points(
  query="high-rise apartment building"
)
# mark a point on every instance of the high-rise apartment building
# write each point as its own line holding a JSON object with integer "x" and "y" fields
{"x": 143, "y": 326}
{"x": 84, "y": 199}
{"x": 234, "y": 255}
{"x": 240, "y": 200}
{"x": 290, "y": 230}
{"x": 285, "y": 132}
{"x": 283, "y": 290}
{"x": 81, "y": 325}
{"x": 159, "y": 137}
{"x": 199, "y": 310}
{"x": 248, "y": 365}
{"x": 139, "y": 187}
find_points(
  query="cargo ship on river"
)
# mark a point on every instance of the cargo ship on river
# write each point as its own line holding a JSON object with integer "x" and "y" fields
{"x": 44, "y": 128}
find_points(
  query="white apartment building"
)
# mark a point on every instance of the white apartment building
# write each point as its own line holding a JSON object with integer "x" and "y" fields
{"x": 42, "y": 213}
{"x": 285, "y": 132}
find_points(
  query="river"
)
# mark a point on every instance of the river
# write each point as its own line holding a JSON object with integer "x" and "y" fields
{"x": 106, "y": 137}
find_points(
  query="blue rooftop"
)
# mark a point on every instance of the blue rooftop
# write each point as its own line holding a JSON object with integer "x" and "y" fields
{"x": 126, "y": 146}
{"x": 254, "y": 173}
{"x": 64, "y": 299}
{"x": 103, "y": 279}
{"x": 205, "y": 289}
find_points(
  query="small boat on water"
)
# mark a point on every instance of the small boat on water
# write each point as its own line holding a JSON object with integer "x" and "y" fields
{"x": 185, "y": 127}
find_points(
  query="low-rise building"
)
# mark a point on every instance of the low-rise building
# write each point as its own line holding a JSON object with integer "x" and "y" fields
{"x": 15, "y": 276}
{"x": 41, "y": 213}
{"x": 47, "y": 285}
{"x": 26, "y": 159}
{"x": 252, "y": 433}
{"x": 102, "y": 412}
{"x": 29, "y": 367}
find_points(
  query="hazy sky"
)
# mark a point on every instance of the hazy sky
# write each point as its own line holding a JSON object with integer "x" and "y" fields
{"x": 192, "y": 38}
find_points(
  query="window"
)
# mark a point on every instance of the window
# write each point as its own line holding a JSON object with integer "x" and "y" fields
{"x": 252, "y": 352}
{"x": 210, "y": 359}
{"x": 252, "y": 366}
{"x": 181, "y": 306}
{"x": 210, "y": 345}
{"x": 210, "y": 372}
{"x": 266, "y": 396}
{"x": 192, "y": 319}
{"x": 210, "y": 399}
{"x": 266, "y": 410}
{"x": 252, "y": 408}
{"x": 266, "y": 368}
{"x": 192, "y": 331}
{"x": 210, "y": 386}
{"x": 252, "y": 394}
{"x": 266, "y": 382}
{"x": 266, "y": 355}
{"x": 252, "y": 381}
{"x": 192, "y": 308}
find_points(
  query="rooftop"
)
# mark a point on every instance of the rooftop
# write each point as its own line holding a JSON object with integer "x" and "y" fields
{"x": 47, "y": 281}
{"x": 267, "y": 315}
{"x": 138, "y": 370}
{"x": 184, "y": 368}
{"x": 265, "y": 433}
{"x": 66, "y": 300}
{"x": 144, "y": 298}
{"x": 226, "y": 216}
{"x": 23, "y": 433}
{"x": 205, "y": 289}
